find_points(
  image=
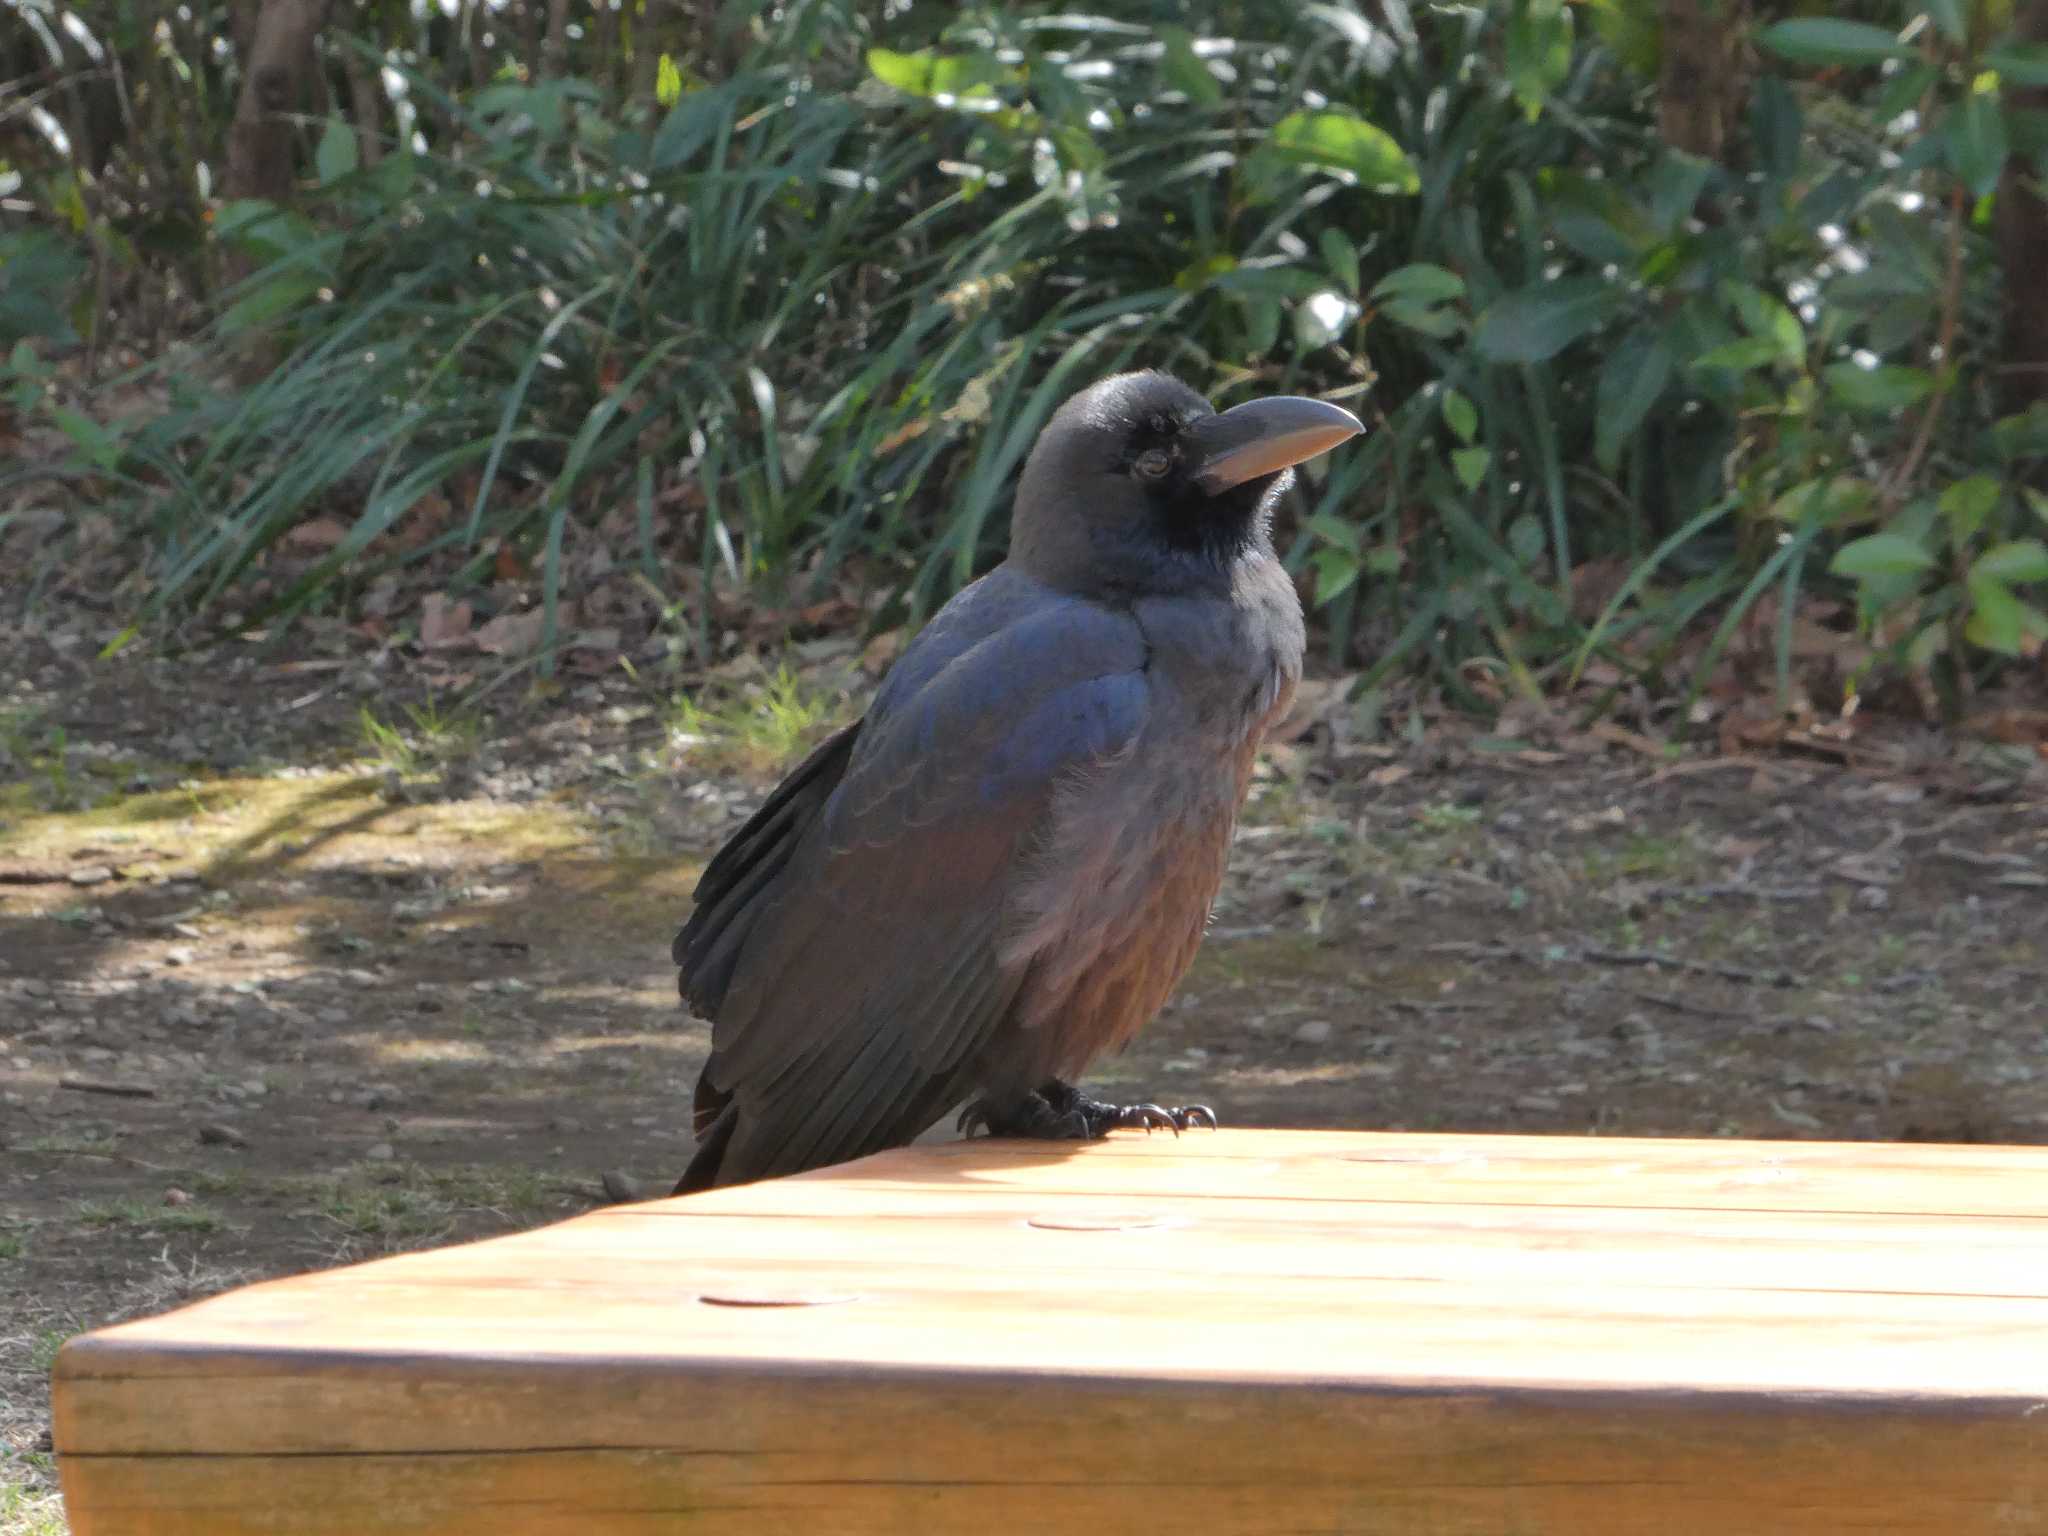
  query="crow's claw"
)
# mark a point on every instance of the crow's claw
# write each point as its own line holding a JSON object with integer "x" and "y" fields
{"x": 1059, "y": 1112}
{"x": 1147, "y": 1116}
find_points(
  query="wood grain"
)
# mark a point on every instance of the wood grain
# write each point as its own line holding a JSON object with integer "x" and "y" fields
{"x": 1241, "y": 1332}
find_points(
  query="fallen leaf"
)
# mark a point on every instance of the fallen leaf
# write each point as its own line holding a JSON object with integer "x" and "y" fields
{"x": 881, "y": 652}
{"x": 1635, "y": 741}
{"x": 1595, "y": 583}
{"x": 903, "y": 434}
{"x": 317, "y": 534}
{"x": 1317, "y": 701}
{"x": 2016, "y": 727}
{"x": 443, "y": 625}
{"x": 516, "y": 634}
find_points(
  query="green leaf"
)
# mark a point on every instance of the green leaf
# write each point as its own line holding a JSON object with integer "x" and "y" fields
{"x": 1332, "y": 529}
{"x": 1766, "y": 317}
{"x": 1977, "y": 143}
{"x": 1525, "y": 539}
{"x": 1966, "y": 505}
{"x": 1535, "y": 323}
{"x": 1888, "y": 388}
{"x": 2023, "y": 436}
{"x": 1426, "y": 319}
{"x": 1830, "y": 40}
{"x": 1786, "y": 331}
{"x": 1903, "y": 90}
{"x": 2036, "y": 501}
{"x": 2016, "y": 562}
{"x": 1880, "y": 554}
{"x": 1460, "y": 415}
{"x": 1631, "y": 379}
{"x": 1742, "y": 355}
{"x": 1899, "y": 324}
{"x": 101, "y": 447}
{"x": 1998, "y": 620}
{"x": 1336, "y": 570}
{"x": 278, "y": 296}
{"x": 1431, "y": 284}
{"x": 1340, "y": 141}
{"x": 1947, "y": 16}
{"x": 1838, "y": 501}
{"x": 1631, "y": 30}
{"x": 1675, "y": 186}
{"x": 908, "y": 72}
{"x": 1538, "y": 52}
{"x": 1778, "y": 127}
{"x": 1341, "y": 257}
{"x": 336, "y": 156}
{"x": 668, "y": 82}
{"x": 1385, "y": 559}
{"x": 933, "y": 75}
{"x": 1470, "y": 466}
{"x": 1185, "y": 71}
{"x": 1261, "y": 323}
{"x": 263, "y": 230}
{"x": 1270, "y": 282}
{"x": 2020, "y": 63}
{"x": 1410, "y": 296}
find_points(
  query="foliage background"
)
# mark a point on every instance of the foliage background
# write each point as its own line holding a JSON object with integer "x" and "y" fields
{"x": 1700, "y": 345}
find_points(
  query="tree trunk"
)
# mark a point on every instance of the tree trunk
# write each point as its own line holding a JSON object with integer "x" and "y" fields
{"x": 529, "y": 38}
{"x": 2021, "y": 228}
{"x": 365, "y": 106}
{"x": 282, "y": 70}
{"x": 555, "y": 51}
{"x": 474, "y": 20}
{"x": 1703, "y": 74}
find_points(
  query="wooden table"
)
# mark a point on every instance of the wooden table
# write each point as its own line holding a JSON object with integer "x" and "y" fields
{"x": 1246, "y": 1331}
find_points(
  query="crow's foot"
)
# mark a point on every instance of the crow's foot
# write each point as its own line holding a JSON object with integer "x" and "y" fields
{"x": 1059, "y": 1112}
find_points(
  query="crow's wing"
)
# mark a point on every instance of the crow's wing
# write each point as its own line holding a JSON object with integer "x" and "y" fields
{"x": 847, "y": 941}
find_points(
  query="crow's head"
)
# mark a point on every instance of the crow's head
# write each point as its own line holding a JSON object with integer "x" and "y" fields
{"x": 1137, "y": 483}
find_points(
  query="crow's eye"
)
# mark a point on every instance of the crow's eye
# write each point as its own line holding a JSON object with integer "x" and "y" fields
{"x": 1153, "y": 463}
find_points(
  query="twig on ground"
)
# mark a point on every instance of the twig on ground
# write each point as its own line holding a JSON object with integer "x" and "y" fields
{"x": 1683, "y": 1005}
{"x": 1697, "y": 967}
{"x": 106, "y": 1157}
{"x": 1739, "y": 888}
{"x": 117, "y": 1090}
{"x": 1616, "y": 957}
{"x": 1949, "y": 850}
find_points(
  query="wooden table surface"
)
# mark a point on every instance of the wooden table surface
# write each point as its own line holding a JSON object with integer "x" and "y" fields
{"x": 1241, "y": 1331}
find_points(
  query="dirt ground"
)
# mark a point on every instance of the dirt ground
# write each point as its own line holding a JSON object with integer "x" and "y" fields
{"x": 283, "y": 986}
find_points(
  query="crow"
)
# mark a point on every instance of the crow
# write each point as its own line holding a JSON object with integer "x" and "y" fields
{"x": 1003, "y": 870}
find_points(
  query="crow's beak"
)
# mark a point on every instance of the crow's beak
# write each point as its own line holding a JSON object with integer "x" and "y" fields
{"x": 1262, "y": 436}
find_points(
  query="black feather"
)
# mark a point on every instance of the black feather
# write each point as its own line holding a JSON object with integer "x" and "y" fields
{"x": 730, "y": 894}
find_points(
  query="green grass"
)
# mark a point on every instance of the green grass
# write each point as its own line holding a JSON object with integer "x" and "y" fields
{"x": 144, "y": 1216}
{"x": 759, "y": 728}
{"x": 43, "y": 1353}
{"x": 35, "y": 753}
{"x": 29, "y": 1504}
{"x": 1641, "y": 856}
{"x": 400, "y": 1203}
{"x": 431, "y": 739}
{"x": 1445, "y": 817}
